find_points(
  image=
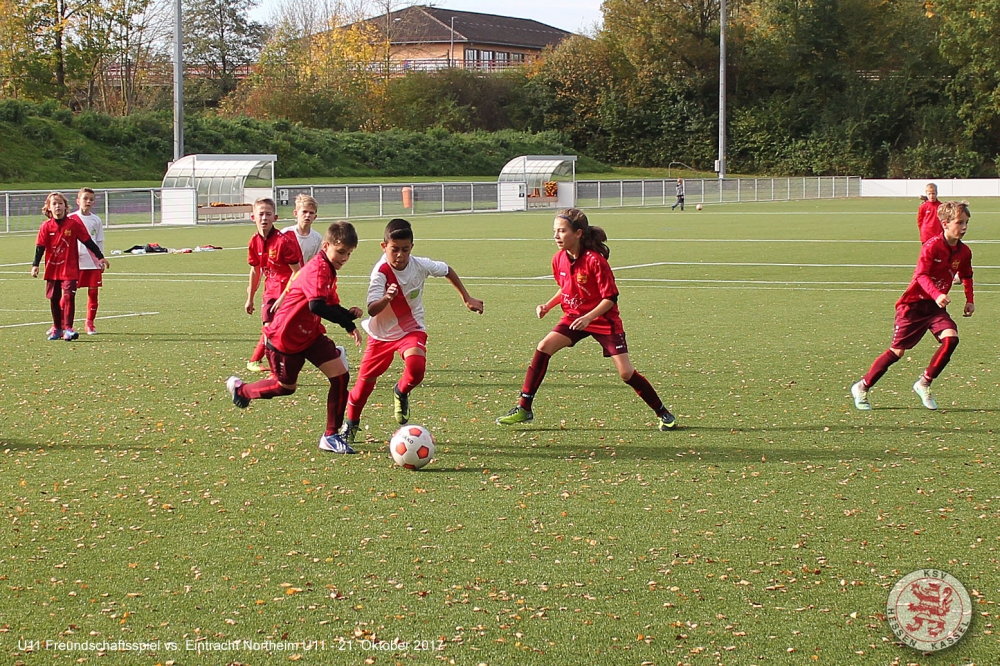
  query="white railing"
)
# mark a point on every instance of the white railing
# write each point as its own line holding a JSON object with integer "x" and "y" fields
{"x": 22, "y": 210}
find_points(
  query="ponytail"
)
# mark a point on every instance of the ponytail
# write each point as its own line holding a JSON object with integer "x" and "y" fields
{"x": 593, "y": 238}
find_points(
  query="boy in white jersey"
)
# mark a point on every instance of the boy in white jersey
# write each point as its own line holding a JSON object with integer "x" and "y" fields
{"x": 91, "y": 273}
{"x": 309, "y": 239}
{"x": 396, "y": 322}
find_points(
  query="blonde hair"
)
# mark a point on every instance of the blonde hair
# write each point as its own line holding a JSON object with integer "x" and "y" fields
{"x": 304, "y": 200}
{"x": 951, "y": 210}
{"x": 46, "y": 210}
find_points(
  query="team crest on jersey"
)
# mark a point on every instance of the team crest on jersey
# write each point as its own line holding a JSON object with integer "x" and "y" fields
{"x": 413, "y": 294}
{"x": 272, "y": 253}
{"x": 581, "y": 278}
{"x": 929, "y": 610}
{"x": 67, "y": 233}
{"x": 954, "y": 265}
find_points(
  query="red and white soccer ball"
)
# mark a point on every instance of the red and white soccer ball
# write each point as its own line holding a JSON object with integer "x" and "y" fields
{"x": 412, "y": 446}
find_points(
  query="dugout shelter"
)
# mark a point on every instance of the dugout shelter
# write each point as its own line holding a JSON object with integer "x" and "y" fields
{"x": 213, "y": 188}
{"x": 537, "y": 181}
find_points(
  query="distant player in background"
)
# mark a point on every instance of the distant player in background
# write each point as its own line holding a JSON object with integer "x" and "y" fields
{"x": 921, "y": 308}
{"x": 396, "y": 322}
{"x": 680, "y": 195}
{"x": 928, "y": 223}
{"x": 273, "y": 257}
{"x": 296, "y": 335}
{"x": 589, "y": 299}
{"x": 309, "y": 239}
{"x": 57, "y": 241}
{"x": 91, "y": 274}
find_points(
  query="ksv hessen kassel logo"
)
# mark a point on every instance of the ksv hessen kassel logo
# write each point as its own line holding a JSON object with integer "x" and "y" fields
{"x": 929, "y": 610}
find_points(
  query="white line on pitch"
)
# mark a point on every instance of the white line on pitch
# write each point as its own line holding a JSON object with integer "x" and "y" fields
{"x": 42, "y": 323}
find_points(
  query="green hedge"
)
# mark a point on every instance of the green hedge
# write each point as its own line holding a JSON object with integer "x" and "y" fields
{"x": 49, "y": 144}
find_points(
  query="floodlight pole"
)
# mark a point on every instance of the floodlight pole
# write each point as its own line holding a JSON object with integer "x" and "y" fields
{"x": 178, "y": 81}
{"x": 720, "y": 165}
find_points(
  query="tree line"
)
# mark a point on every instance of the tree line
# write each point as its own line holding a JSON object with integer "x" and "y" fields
{"x": 860, "y": 87}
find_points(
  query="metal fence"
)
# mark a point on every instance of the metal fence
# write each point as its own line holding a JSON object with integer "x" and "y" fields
{"x": 135, "y": 207}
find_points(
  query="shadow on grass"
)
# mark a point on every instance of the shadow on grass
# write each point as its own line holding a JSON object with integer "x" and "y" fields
{"x": 21, "y": 445}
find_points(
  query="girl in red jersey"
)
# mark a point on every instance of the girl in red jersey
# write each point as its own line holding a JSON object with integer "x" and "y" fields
{"x": 921, "y": 308}
{"x": 57, "y": 241}
{"x": 589, "y": 299}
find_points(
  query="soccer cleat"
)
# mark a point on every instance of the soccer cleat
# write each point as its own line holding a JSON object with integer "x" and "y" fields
{"x": 401, "y": 406}
{"x": 232, "y": 384}
{"x": 860, "y": 395}
{"x": 256, "y": 366}
{"x": 69, "y": 335}
{"x": 55, "y": 333}
{"x": 517, "y": 415}
{"x": 667, "y": 422}
{"x": 349, "y": 432}
{"x": 334, "y": 444}
{"x": 90, "y": 328}
{"x": 925, "y": 395}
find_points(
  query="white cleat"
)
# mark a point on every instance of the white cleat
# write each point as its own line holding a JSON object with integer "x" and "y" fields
{"x": 860, "y": 395}
{"x": 925, "y": 395}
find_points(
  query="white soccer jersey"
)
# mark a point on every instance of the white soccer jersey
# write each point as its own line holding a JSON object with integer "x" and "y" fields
{"x": 96, "y": 230}
{"x": 405, "y": 314}
{"x": 309, "y": 244}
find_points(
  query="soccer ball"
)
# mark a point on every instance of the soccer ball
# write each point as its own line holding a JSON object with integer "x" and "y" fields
{"x": 412, "y": 447}
{"x": 698, "y": 207}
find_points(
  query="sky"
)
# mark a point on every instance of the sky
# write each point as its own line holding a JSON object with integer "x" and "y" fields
{"x": 571, "y": 15}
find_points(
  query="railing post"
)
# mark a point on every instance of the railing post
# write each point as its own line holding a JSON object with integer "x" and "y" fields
{"x": 347, "y": 201}
{"x": 152, "y": 208}
{"x": 442, "y": 197}
{"x": 106, "y": 215}
{"x": 642, "y": 196}
{"x": 472, "y": 197}
{"x": 6, "y": 210}
{"x": 598, "y": 193}
{"x": 621, "y": 193}
{"x": 380, "y": 200}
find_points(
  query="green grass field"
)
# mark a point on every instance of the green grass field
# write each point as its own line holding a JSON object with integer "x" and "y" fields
{"x": 142, "y": 506}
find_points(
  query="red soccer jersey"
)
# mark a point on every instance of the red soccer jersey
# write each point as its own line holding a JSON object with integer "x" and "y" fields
{"x": 936, "y": 269}
{"x": 294, "y": 327}
{"x": 927, "y": 220}
{"x": 272, "y": 255}
{"x": 62, "y": 254}
{"x": 584, "y": 283}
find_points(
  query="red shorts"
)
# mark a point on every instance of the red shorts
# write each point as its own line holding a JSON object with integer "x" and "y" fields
{"x": 56, "y": 288}
{"x": 613, "y": 344}
{"x": 90, "y": 278}
{"x": 266, "y": 315}
{"x": 379, "y": 354}
{"x": 915, "y": 319}
{"x": 286, "y": 367}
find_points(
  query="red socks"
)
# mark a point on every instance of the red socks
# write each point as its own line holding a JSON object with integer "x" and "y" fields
{"x": 414, "y": 366}
{"x": 92, "y": 304}
{"x": 879, "y": 367}
{"x": 68, "y": 305}
{"x": 258, "y": 351}
{"x": 358, "y": 398}
{"x": 265, "y": 389}
{"x": 336, "y": 403}
{"x": 646, "y": 391}
{"x": 940, "y": 358}
{"x": 533, "y": 378}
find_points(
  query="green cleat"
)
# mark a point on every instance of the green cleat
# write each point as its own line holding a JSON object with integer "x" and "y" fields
{"x": 349, "y": 431}
{"x": 667, "y": 422}
{"x": 517, "y": 415}
{"x": 401, "y": 406}
{"x": 256, "y": 366}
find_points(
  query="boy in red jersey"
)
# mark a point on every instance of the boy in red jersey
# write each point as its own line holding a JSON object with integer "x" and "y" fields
{"x": 91, "y": 275}
{"x": 928, "y": 223}
{"x": 57, "y": 240}
{"x": 396, "y": 322}
{"x": 296, "y": 335}
{"x": 589, "y": 299}
{"x": 273, "y": 256}
{"x": 921, "y": 308}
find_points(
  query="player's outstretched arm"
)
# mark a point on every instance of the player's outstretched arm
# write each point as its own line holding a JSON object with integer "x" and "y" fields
{"x": 473, "y": 304}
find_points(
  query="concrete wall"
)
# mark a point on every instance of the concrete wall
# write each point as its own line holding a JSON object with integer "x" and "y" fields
{"x": 947, "y": 188}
